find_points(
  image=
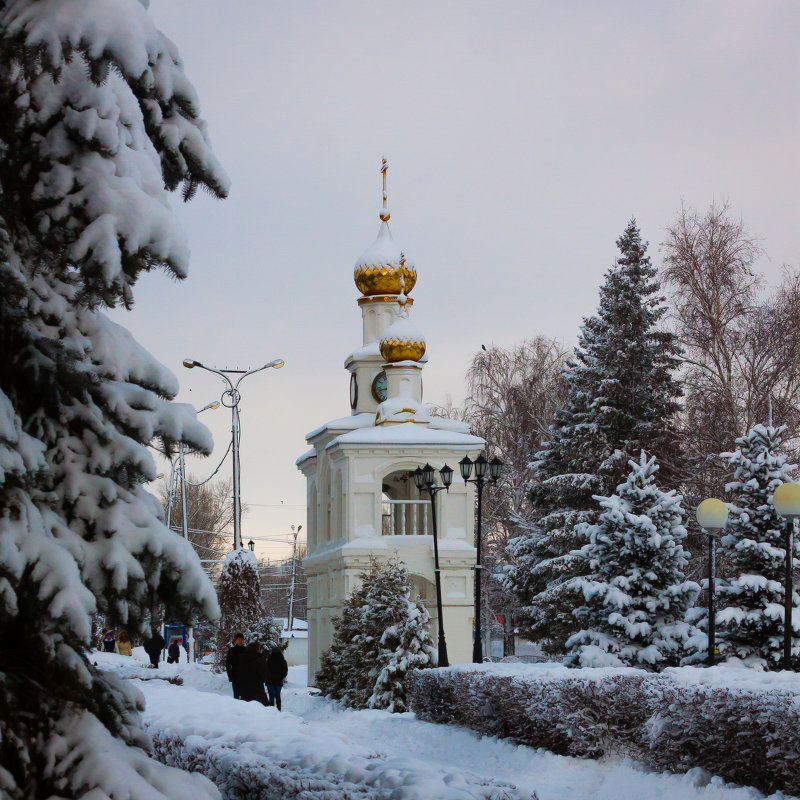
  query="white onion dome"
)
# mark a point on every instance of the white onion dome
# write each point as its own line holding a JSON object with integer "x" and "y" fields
{"x": 379, "y": 269}
{"x": 402, "y": 341}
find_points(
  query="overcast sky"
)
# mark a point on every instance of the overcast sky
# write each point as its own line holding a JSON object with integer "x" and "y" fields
{"x": 521, "y": 137}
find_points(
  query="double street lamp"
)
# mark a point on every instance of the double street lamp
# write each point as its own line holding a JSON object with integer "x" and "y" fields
{"x": 712, "y": 515}
{"x": 786, "y": 500}
{"x": 230, "y": 399}
{"x": 424, "y": 480}
{"x": 482, "y": 467}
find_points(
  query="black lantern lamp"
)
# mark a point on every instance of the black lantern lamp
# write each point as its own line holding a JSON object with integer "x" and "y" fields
{"x": 251, "y": 544}
{"x": 447, "y": 476}
{"x": 494, "y": 468}
{"x": 424, "y": 480}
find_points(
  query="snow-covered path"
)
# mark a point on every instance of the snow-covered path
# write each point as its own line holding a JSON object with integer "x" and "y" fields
{"x": 380, "y": 750}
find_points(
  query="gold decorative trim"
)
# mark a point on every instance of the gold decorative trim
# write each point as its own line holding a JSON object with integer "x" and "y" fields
{"x": 384, "y": 280}
{"x": 382, "y": 298}
{"x": 397, "y": 350}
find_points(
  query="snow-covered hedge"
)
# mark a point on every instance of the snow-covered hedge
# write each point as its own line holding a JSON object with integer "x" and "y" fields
{"x": 740, "y": 725}
{"x": 241, "y": 774}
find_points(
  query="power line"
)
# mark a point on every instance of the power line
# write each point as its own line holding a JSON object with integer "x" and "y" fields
{"x": 276, "y": 505}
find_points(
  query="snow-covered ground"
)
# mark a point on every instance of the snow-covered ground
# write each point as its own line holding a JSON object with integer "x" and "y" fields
{"x": 377, "y": 754}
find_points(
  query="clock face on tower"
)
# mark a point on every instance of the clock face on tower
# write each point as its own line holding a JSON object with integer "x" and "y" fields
{"x": 353, "y": 391}
{"x": 379, "y": 387}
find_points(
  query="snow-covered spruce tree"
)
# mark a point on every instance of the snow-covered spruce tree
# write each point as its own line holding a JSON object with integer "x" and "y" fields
{"x": 239, "y": 596}
{"x": 98, "y": 123}
{"x": 404, "y": 646}
{"x": 636, "y": 598}
{"x": 381, "y": 634}
{"x": 750, "y": 602}
{"x": 622, "y": 400}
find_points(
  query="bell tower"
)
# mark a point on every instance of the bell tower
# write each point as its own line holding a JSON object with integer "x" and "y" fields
{"x": 362, "y": 501}
{"x": 384, "y": 276}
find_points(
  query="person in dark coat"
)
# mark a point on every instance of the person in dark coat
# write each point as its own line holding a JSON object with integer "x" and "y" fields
{"x": 277, "y": 670}
{"x": 253, "y": 674}
{"x": 109, "y": 640}
{"x": 153, "y": 647}
{"x": 232, "y": 663}
{"x": 173, "y": 652}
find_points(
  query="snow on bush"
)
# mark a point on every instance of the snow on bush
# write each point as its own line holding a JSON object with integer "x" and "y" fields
{"x": 239, "y": 595}
{"x": 257, "y": 753}
{"x": 732, "y": 722}
{"x": 636, "y": 597}
{"x": 381, "y": 635}
{"x": 99, "y": 123}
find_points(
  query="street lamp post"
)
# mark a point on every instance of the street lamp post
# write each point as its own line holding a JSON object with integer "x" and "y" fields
{"x": 712, "y": 515}
{"x": 786, "y": 501}
{"x": 233, "y": 396}
{"x": 424, "y": 479}
{"x": 480, "y": 480}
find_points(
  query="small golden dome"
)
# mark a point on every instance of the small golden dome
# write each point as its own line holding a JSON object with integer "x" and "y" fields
{"x": 382, "y": 265}
{"x": 401, "y": 341}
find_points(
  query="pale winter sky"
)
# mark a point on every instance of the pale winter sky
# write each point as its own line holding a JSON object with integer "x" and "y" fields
{"x": 521, "y": 137}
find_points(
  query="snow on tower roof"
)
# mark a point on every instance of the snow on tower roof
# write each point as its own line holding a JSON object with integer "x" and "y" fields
{"x": 383, "y": 252}
{"x": 402, "y": 341}
{"x": 408, "y": 433}
{"x": 344, "y": 424}
{"x": 403, "y": 329}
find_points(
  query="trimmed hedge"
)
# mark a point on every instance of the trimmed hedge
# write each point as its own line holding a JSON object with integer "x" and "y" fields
{"x": 746, "y": 736}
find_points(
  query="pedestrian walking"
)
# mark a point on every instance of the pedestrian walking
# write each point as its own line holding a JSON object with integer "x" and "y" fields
{"x": 153, "y": 647}
{"x": 108, "y": 640}
{"x": 277, "y": 670}
{"x": 252, "y": 674}
{"x": 232, "y": 663}
{"x": 124, "y": 647}
{"x": 173, "y": 652}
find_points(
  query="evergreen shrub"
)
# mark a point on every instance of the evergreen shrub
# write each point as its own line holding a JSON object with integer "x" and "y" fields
{"x": 744, "y": 735}
{"x": 381, "y": 635}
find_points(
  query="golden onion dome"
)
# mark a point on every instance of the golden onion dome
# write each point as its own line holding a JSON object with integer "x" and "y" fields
{"x": 402, "y": 341}
{"x": 382, "y": 265}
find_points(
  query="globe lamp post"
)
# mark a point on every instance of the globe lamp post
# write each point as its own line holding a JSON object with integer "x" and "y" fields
{"x": 712, "y": 515}
{"x": 230, "y": 399}
{"x": 482, "y": 467}
{"x": 424, "y": 480}
{"x": 786, "y": 500}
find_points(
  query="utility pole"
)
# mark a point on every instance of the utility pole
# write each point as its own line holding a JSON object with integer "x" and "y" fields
{"x": 170, "y": 493}
{"x": 185, "y": 527}
{"x": 295, "y": 533}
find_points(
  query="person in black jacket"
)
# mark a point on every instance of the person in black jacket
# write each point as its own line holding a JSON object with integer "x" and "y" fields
{"x": 252, "y": 674}
{"x": 173, "y": 652}
{"x": 232, "y": 663}
{"x": 277, "y": 670}
{"x": 153, "y": 647}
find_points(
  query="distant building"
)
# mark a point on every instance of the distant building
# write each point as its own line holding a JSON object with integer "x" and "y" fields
{"x": 362, "y": 501}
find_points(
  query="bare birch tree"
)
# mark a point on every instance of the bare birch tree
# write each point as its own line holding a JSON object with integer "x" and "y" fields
{"x": 740, "y": 344}
{"x": 512, "y": 394}
{"x": 209, "y": 515}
